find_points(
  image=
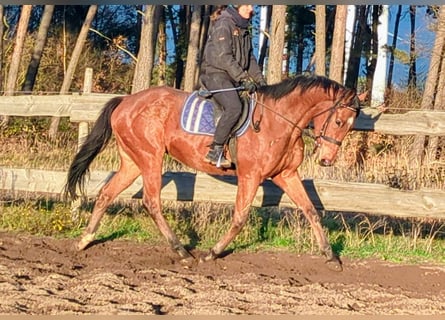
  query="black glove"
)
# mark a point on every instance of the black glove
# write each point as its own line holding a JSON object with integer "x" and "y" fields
{"x": 262, "y": 83}
{"x": 249, "y": 85}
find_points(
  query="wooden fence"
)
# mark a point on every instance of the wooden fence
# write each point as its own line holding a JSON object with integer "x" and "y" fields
{"x": 182, "y": 186}
{"x": 327, "y": 195}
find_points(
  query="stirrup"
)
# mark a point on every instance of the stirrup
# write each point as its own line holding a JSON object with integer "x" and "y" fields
{"x": 216, "y": 157}
{"x": 223, "y": 164}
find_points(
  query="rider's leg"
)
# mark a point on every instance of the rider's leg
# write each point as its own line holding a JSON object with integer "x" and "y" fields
{"x": 232, "y": 108}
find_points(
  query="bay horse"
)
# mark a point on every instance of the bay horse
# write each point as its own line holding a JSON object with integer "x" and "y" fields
{"x": 146, "y": 125}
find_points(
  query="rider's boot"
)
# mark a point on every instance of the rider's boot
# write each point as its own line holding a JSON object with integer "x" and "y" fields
{"x": 216, "y": 156}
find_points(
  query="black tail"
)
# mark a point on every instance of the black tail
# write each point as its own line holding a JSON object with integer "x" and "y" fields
{"x": 95, "y": 142}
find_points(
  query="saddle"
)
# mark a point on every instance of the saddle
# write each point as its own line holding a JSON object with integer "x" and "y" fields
{"x": 201, "y": 113}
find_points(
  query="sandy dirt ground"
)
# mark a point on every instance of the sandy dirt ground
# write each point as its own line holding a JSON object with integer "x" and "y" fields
{"x": 46, "y": 276}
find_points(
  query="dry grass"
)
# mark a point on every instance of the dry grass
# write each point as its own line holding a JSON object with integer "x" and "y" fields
{"x": 372, "y": 157}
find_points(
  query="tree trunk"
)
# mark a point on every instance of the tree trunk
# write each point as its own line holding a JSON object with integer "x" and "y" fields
{"x": 162, "y": 48}
{"x": 433, "y": 147}
{"x": 266, "y": 16}
{"x": 356, "y": 24}
{"x": 320, "y": 40}
{"x": 417, "y": 150}
{"x": 349, "y": 37}
{"x": 2, "y": 30}
{"x": 338, "y": 44}
{"x": 412, "y": 73}
{"x": 300, "y": 53}
{"x": 178, "y": 36}
{"x": 274, "y": 66}
{"x": 352, "y": 71}
{"x": 144, "y": 66}
{"x": 38, "y": 48}
{"x": 53, "y": 129}
{"x": 17, "y": 55}
{"x": 193, "y": 49}
{"x": 205, "y": 23}
{"x": 372, "y": 46}
{"x": 394, "y": 45}
{"x": 18, "y": 49}
{"x": 379, "y": 76}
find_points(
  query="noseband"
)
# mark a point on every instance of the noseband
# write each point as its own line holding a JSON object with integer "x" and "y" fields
{"x": 332, "y": 110}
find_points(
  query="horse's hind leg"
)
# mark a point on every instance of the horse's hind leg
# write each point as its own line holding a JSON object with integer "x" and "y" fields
{"x": 290, "y": 182}
{"x": 123, "y": 178}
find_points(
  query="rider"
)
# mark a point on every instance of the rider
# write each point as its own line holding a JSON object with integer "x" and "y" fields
{"x": 229, "y": 62}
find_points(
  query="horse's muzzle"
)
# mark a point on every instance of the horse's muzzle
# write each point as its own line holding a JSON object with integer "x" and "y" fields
{"x": 325, "y": 163}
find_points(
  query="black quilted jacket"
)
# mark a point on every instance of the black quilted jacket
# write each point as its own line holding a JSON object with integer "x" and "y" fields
{"x": 229, "y": 48}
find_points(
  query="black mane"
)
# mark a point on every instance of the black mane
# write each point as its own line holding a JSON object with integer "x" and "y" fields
{"x": 304, "y": 82}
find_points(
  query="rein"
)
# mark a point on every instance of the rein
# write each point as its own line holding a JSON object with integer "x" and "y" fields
{"x": 256, "y": 124}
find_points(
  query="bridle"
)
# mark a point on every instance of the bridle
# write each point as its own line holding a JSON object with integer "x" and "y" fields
{"x": 331, "y": 110}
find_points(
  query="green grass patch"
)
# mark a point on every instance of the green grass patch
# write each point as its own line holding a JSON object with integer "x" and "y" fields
{"x": 201, "y": 225}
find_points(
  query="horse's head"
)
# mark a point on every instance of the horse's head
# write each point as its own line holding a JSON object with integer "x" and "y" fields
{"x": 331, "y": 107}
{"x": 333, "y": 123}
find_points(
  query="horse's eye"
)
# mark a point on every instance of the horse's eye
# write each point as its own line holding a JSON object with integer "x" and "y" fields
{"x": 339, "y": 123}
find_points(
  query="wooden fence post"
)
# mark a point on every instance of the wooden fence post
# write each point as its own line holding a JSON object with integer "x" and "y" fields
{"x": 83, "y": 126}
{"x": 83, "y": 133}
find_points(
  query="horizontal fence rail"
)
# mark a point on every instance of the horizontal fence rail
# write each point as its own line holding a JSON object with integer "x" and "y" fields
{"x": 51, "y": 105}
{"x": 86, "y": 108}
{"x": 182, "y": 186}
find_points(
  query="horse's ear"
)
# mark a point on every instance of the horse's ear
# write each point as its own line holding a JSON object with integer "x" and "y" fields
{"x": 362, "y": 96}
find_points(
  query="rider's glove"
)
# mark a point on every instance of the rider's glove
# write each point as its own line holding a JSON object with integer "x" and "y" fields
{"x": 249, "y": 85}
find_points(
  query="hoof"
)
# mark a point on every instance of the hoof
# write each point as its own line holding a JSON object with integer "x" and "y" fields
{"x": 188, "y": 262}
{"x": 184, "y": 254}
{"x": 84, "y": 242}
{"x": 208, "y": 257}
{"x": 334, "y": 264}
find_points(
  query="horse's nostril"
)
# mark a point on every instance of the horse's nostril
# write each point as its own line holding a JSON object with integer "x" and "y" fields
{"x": 325, "y": 163}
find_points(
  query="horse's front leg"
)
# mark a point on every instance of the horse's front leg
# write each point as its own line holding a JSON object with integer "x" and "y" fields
{"x": 290, "y": 182}
{"x": 152, "y": 202}
{"x": 246, "y": 191}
